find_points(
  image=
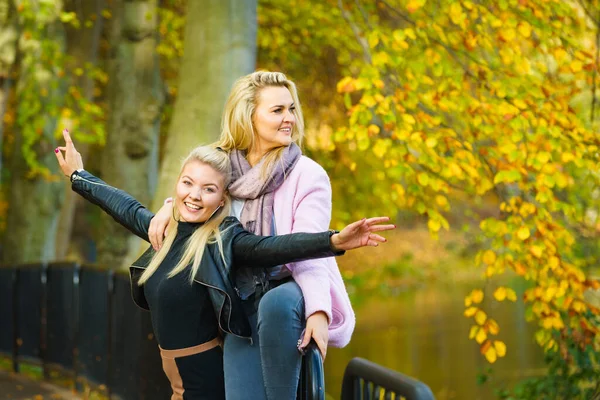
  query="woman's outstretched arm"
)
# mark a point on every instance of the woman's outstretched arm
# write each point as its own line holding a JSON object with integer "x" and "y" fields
{"x": 268, "y": 251}
{"x": 124, "y": 209}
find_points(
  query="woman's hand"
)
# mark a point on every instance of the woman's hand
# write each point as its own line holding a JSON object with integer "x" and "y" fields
{"x": 71, "y": 161}
{"x": 159, "y": 225}
{"x": 317, "y": 327}
{"x": 360, "y": 233}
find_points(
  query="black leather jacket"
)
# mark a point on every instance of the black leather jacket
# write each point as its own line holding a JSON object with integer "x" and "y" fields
{"x": 240, "y": 249}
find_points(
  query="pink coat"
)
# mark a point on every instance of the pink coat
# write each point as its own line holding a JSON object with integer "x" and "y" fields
{"x": 303, "y": 204}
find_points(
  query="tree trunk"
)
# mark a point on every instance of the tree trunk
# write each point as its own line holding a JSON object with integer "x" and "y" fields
{"x": 83, "y": 45}
{"x": 130, "y": 159}
{"x": 35, "y": 198}
{"x": 219, "y": 47}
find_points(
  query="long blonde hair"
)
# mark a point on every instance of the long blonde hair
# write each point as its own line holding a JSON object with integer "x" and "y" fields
{"x": 209, "y": 232}
{"x": 237, "y": 127}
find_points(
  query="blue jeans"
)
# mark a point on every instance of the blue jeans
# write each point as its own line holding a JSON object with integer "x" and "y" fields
{"x": 270, "y": 367}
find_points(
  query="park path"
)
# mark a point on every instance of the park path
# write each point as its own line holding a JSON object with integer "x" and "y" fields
{"x": 19, "y": 387}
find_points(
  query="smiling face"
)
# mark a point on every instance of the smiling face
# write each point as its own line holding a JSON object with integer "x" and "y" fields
{"x": 200, "y": 190}
{"x": 274, "y": 118}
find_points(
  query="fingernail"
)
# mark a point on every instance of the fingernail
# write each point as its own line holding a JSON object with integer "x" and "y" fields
{"x": 65, "y": 130}
{"x": 394, "y": 226}
{"x": 56, "y": 150}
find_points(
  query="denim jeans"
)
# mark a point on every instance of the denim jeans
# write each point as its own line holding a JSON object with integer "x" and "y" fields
{"x": 270, "y": 367}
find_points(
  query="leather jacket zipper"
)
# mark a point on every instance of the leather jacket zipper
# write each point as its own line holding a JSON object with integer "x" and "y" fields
{"x": 77, "y": 177}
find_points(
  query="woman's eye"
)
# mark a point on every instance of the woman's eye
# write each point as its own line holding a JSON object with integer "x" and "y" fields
{"x": 187, "y": 183}
{"x": 292, "y": 109}
{"x": 277, "y": 110}
{"x": 210, "y": 190}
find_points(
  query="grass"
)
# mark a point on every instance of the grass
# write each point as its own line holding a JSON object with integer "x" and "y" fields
{"x": 35, "y": 372}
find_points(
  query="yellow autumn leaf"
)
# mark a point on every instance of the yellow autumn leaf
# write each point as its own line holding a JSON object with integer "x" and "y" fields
{"x": 427, "y": 80}
{"x": 477, "y": 296}
{"x": 480, "y": 317}
{"x": 578, "y": 306}
{"x": 560, "y": 54}
{"x": 456, "y": 13}
{"x": 576, "y": 66}
{"x": 481, "y": 336}
{"x": 414, "y": 5}
{"x": 553, "y": 262}
{"x": 410, "y": 33}
{"x": 520, "y": 104}
{"x": 523, "y": 233}
{"x": 490, "y": 355}
{"x": 441, "y": 200}
{"x": 536, "y": 251}
{"x": 431, "y": 142}
{"x": 489, "y": 257}
{"x": 473, "y": 331}
{"x": 368, "y": 101}
{"x": 524, "y": 29}
{"x": 492, "y": 326}
{"x": 346, "y": 85}
{"x": 409, "y": 119}
{"x": 469, "y": 312}
{"x": 511, "y": 295}
{"x": 500, "y": 293}
{"x": 423, "y": 179}
{"x": 549, "y": 293}
{"x": 373, "y": 130}
{"x": 500, "y": 348}
{"x": 566, "y": 157}
{"x": 434, "y": 225}
{"x": 508, "y": 34}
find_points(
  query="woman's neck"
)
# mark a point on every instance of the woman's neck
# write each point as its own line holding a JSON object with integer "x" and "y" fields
{"x": 254, "y": 156}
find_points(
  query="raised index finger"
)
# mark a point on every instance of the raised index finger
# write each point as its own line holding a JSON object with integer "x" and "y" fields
{"x": 68, "y": 140}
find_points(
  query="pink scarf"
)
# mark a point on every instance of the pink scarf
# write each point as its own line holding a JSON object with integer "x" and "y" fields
{"x": 258, "y": 193}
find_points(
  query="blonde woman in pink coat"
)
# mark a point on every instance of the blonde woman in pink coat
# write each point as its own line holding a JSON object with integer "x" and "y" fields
{"x": 277, "y": 191}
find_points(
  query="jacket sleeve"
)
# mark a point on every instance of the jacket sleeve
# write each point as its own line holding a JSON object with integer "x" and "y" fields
{"x": 312, "y": 213}
{"x": 124, "y": 209}
{"x": 269, "y": 251}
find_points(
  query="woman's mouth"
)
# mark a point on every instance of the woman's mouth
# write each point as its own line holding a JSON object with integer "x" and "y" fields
{"x": 192, "y": 207}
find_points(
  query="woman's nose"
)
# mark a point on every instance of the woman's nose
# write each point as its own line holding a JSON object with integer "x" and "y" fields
{"x": 289, "y": 116}
{"x": 196, "y": 193}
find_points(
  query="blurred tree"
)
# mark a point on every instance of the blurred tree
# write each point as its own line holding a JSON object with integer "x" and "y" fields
{"x": 8, "y": 50}
{"x": 83, "y": 39}
{"x": 219, "y": 47}
{"x": 45, "y": 100}
{"x": 135, "y": 96}
{"x": 33, "y": 201}
{"x": 489, "y": 99}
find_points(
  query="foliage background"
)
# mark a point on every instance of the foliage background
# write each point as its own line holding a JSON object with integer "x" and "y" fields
{"x": 475, "y": 120}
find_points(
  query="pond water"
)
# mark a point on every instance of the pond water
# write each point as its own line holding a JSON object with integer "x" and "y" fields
{"x": 423, "y": 333}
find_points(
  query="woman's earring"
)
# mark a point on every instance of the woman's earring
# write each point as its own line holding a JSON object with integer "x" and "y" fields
{"x": 213, "y": 213}
{"x": 173, "y": 210}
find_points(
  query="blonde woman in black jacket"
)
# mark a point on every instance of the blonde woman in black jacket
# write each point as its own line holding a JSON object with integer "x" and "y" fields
{"x": 186, "y": 284}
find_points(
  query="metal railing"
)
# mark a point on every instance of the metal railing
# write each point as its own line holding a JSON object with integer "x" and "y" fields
{"x": 80, "y": 321}
{"x": 365, "y": 380}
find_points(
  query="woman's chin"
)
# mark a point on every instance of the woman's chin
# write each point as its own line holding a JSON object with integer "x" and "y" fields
{"x": 187, "y": 216}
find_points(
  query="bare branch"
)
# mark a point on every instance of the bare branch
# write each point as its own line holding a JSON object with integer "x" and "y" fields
{"x": 357, "y": 32}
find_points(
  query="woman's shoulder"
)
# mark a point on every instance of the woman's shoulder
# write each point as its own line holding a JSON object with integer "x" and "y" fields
{"x": 230, "y": 222}
{"x": 308, "y": 167}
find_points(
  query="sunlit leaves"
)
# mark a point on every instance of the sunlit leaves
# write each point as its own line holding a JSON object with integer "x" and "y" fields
{"x": 47, "y": 96}
{"x": 480, "y": 99}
